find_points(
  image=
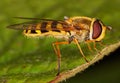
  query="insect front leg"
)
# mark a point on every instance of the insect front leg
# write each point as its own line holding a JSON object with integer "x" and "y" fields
{"x": 94, "y": 45}
{"x": 57, "y": 51}
{"x": 96, "y": 48}
{"x": 102, "y": 44}
{"x": 89, "y": 47}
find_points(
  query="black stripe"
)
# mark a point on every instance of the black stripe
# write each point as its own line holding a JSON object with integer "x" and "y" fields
{"x": 33, "y": 32}
{"x": 26, "y": 31}
{"x": 69, "y": 32}
{"x": 43, "y": 27}
{"x": 66, "y": 26}
{"x": 54, "y": 26}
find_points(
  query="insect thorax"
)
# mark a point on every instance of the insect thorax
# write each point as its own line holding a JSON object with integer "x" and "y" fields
{"x": 81, "y": 27}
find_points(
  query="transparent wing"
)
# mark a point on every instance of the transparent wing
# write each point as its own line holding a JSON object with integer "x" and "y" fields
{"x": 33, "y": 25}
{"x": 23, "y": 26}
{"x": 36, "y": 19}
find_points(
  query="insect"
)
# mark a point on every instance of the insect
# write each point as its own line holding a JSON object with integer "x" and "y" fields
{"x": 74, "y": 29}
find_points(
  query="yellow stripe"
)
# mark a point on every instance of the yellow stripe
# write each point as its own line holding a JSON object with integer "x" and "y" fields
{"x": 38, "y": 27}
{"x": 24, "y": 31}
{"x": 48, "y": 27}
{"x": 59, "y": 26}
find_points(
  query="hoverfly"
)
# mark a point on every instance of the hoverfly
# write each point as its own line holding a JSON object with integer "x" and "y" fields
{"x": 74, "y": 29}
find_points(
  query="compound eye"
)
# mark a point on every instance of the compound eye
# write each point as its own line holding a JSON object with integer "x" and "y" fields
{"x": 97, "y": 29}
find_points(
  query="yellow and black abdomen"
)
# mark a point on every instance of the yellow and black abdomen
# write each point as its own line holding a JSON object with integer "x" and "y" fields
{"x": 47, "y": 28}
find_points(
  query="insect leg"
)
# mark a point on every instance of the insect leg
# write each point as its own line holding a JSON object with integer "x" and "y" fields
{"x": 57, "y": 51}
{"x": 101, "y": 43}
{"x": 76, "y": 41}
{"x": 94, "y": 43}
{"x": 95, "y": 47}
{"x": 89, "y": 46}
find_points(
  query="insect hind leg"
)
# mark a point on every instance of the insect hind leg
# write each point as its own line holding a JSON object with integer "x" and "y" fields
{"x": 57, "y": 51}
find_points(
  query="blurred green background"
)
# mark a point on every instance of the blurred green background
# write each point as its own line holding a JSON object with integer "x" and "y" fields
{"x": 21, "y": 58}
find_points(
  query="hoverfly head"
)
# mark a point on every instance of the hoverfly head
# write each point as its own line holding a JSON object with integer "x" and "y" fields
{"x": 97, "y": 30}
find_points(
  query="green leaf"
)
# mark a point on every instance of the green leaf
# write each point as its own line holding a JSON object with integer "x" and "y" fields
{"x": 27, "y": 60}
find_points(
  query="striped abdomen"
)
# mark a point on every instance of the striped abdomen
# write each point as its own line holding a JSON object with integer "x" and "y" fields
{"x": 46, "y": 28}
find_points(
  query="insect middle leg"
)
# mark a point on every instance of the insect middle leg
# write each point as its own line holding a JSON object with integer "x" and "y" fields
{"x": 57, "y": 51}
{"x": 76, "y": 42}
